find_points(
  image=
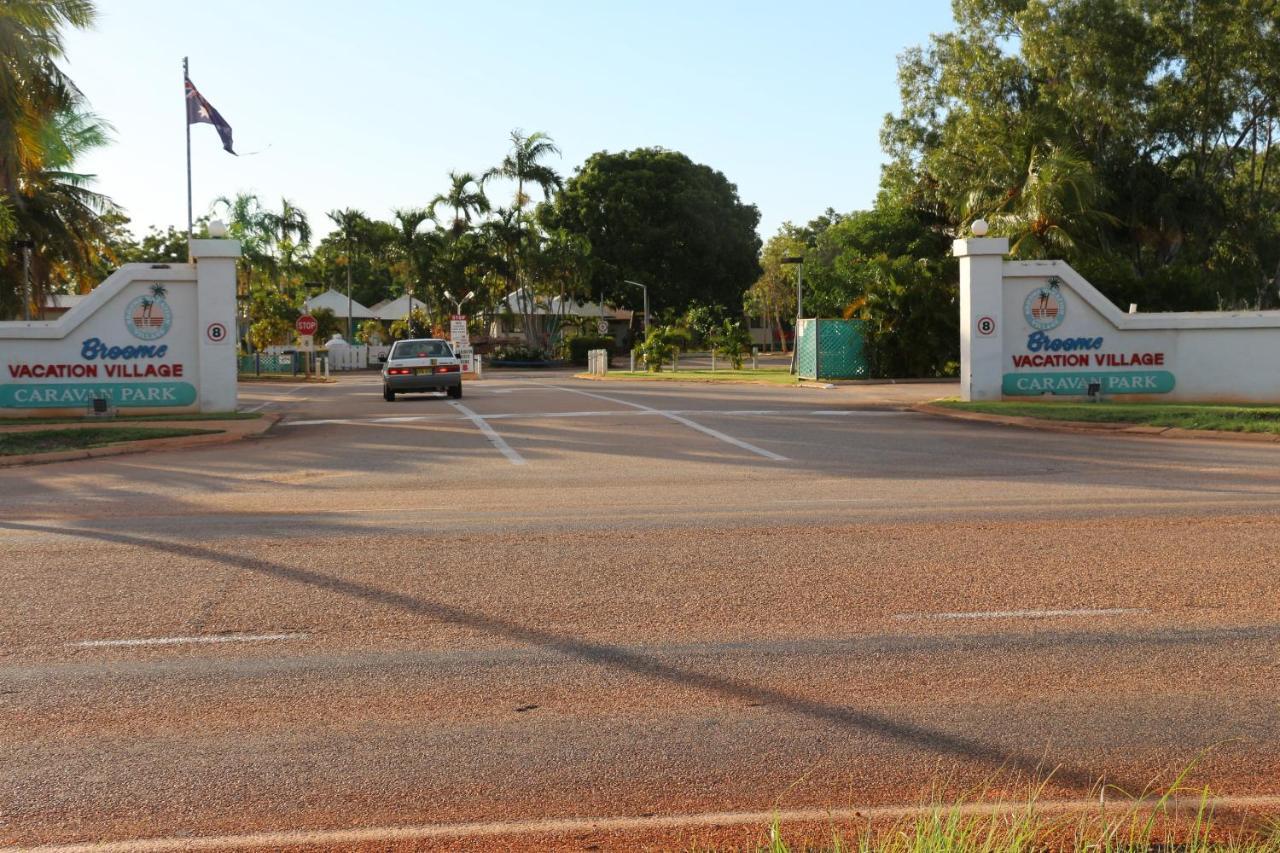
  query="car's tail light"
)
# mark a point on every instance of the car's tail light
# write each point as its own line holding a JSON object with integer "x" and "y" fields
{"x": 448, "y": 368}
{"x": 399, "y": 371}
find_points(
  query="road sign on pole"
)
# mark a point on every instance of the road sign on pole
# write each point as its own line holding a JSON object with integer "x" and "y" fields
{"x": 307, "y": 325}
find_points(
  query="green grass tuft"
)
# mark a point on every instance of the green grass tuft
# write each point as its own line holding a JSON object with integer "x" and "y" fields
{"x": 1225, "y": 417}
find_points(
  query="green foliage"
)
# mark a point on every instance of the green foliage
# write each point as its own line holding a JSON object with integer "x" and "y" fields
{"x": 579, "y": 346}
{"x": 372, "y": 332}
{"x": 731, "y": 341}
{"x": 269, "y": 331}
{"x": 328, "y": 324}
{"x": 657, "y": 217}
{"x": 1136, "y": 139}
{"x": 520, "y": 353}
{"x": 416, "y": 325}
{"x": 661, "y": 346}
{"x": 703, "y": 321}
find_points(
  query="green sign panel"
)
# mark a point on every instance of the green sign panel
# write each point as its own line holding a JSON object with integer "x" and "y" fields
{"x": 47, "y": 395}
{"x": 1077, "y": 384}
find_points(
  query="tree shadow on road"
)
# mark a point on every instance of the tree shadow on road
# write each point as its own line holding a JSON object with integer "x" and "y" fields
{"x": 614, "y": 657}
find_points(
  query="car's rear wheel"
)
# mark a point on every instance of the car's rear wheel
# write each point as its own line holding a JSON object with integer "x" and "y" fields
{"x": 388, "y": 394}
{"x": 455, "y": 391}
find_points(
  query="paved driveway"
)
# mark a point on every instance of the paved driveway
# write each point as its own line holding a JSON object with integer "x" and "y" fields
{"x": 428, "y": 621}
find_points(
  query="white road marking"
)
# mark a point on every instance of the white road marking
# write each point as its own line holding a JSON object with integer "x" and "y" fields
{"x": 496, "y": 440}
{"x": 680, "y": 419}
{"x": 825, "y": 500}
{"x": 181, "y": 641}
{"x": 1024, "y": 614}
{"x": 642, "y": 412}
{"x": 424, "y": 832}
{"x": 276, "y": 399}
{"x": 869, "y": 413}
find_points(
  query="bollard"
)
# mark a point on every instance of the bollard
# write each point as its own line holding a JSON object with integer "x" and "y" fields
{"x": 633, "y": 361}
{"x": 755, "y": 358}
{"x": 713, "y": 361}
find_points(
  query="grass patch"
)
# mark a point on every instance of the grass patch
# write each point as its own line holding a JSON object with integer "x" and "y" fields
{"x": 185, "y": 416}
{"x": 1224, "y": 417}
{"x": 53, "y": 440}
{"x": 770, "y": 375}
{"x": 1178, "y": 818}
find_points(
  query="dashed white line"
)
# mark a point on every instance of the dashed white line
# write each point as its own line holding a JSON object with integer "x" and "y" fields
{"x": 680, "y": 419}
{"x": 181, "y": 641}
{"x": 1023, "y": 614}
{"x": 496, "y": 440}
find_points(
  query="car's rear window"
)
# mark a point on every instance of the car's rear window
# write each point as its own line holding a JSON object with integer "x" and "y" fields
{"x": 420, "y": 349}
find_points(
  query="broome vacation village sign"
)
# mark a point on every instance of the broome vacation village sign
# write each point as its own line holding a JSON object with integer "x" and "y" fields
{"x": 1038, "y": 366}
{"x": 128, "y": 373}
{"x": 148, "y": 338}
{"x": 1039, "y": 328}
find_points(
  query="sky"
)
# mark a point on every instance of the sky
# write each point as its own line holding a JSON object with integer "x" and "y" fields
{"x": 369, "y": 105}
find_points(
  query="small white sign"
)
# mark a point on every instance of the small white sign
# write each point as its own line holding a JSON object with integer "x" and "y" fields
{"x": 466, "y": 355}
{"x": 306, "y": 342}
{"x": 458, "y": 330}
{"x": 602, "y": 326}
{"x": 986, "y": 326}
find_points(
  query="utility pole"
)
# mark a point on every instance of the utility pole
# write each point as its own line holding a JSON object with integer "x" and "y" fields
{"x": 645, "y": 288}
{"x": 350, "y": 337}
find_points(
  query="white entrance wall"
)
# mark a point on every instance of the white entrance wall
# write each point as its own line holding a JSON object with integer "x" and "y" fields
{"x": 1036, "y": 328}
{"x": 152, "y": 338}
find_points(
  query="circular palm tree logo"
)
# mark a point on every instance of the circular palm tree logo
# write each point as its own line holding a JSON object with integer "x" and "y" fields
{"x": 149, "y": 316}
{"x": 1045, "y": 308}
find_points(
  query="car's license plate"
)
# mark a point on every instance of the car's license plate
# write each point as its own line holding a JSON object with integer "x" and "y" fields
{"x": 421, "y": 370}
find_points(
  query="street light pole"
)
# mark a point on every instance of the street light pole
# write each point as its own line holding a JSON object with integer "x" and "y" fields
{"x": 795, "y": 337}
{"x": 646, "y": 302}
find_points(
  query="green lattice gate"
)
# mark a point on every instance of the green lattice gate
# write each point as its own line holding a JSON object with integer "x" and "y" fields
{"x": 831, "y": 349}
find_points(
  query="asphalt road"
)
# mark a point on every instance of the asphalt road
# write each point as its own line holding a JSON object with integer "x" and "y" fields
{"x": 648, "y": 609}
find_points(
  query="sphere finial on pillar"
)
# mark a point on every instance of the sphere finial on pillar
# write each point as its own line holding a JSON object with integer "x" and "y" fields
{"x": 979, "y": 227}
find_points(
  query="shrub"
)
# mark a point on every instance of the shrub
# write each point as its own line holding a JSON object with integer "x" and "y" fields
{"x": 519, "y": 353}
{"x": 731, "y": 341}
{"x": 579, "y": 346}
{"x": 660, "y": 346}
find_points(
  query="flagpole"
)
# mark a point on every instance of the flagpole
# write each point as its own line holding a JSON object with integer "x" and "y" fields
{"x": 186, "y": 120}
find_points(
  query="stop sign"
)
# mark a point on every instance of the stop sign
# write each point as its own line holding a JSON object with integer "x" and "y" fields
{"x": 306, "y": 325}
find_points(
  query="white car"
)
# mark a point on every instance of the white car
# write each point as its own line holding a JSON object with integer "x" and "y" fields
{"x": 420, "y": 365}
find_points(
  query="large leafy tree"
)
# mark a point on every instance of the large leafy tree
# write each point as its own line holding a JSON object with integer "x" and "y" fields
{"x": 657, "y": 217}
{"x": 1133, "y": 137}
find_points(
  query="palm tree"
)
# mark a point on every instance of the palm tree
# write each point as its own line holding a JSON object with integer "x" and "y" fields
{"x": 462, "y": 199}
{"x": 33, "y": 89}
{"x": 410, "y": 245}
{"x": 58, "y": 209}
{"x": 348, "y": 221}
{"x": 523, "y": 164}
{"x": 287, "y": 231}
{"x": 1050, "y": 207}
{"x": 246, "y": 222}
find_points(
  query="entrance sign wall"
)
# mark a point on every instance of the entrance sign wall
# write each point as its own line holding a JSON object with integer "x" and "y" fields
{"x": 149, "y": 339}
{"x": 1054, "y": 333}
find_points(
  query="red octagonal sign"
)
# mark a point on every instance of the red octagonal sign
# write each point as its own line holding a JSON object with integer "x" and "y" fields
{"x": 306, "y": 325}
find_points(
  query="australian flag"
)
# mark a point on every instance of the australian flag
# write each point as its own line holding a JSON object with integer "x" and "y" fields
{"x": 200, "y": 111}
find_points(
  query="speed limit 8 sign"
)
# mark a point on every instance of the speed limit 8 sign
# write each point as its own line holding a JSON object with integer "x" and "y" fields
{"x": 986, "y": 326}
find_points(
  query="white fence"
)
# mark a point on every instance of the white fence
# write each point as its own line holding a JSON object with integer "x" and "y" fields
{"x": 357, "y": 357}
{"x": 598, "y": 362}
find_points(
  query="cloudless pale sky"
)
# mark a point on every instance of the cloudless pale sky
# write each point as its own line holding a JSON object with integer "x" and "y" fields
{"x": 368, "y": 105}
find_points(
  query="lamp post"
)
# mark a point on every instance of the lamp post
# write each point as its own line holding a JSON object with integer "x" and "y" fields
{"x": 795, "y": 337}
{"x": 457, "y": 303}
{"x": 645, "y": 288}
